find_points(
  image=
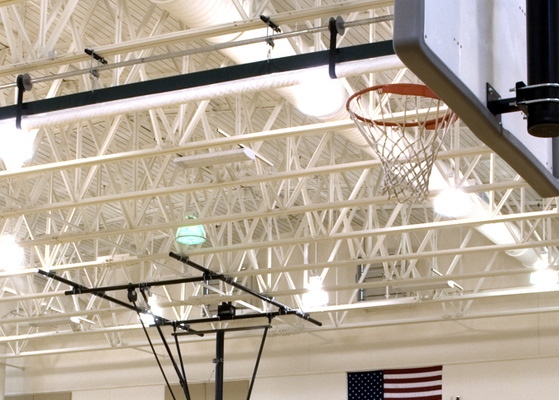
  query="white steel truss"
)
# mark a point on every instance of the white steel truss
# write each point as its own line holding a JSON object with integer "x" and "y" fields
{"x": 102, "y": 198}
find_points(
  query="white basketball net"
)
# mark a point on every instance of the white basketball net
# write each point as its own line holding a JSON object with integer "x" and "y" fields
{"x": 406, "y": 132}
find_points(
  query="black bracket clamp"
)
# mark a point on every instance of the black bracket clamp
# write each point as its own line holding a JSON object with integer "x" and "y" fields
{"x": 270, "y": 38}
{"x": 335, "y": 26}
{"x": 268, "y": 21}
{"x": 525, "y": 96}
{"x": 540, "y": 94}
{"x": 94, "y": 56}
{"x": 24, "y": 84}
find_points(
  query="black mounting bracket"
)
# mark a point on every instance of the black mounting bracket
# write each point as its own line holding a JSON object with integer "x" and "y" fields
{"x": 24, "y": 84}
{"x": 268, "y": 21}
{"x": 498, "y": 105}
{"x": 335, "y": 26}
{"x": 95, "y": 56}
{"x": 539, "y": 99}
{"x": 526, "y": 95}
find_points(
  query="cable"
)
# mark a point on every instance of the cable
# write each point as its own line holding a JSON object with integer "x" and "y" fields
{"x": 179, "y": 355}
{"x": 254, "y": 372}
{"x": 154, "y": 353}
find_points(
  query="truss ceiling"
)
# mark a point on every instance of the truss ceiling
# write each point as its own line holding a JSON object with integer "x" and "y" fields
{"x": 102, "y": 198}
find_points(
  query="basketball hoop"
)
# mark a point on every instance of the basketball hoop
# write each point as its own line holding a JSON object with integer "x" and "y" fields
{"x": 405, "y": 124}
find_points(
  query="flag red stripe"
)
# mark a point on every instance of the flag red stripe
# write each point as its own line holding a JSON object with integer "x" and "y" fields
{"x": 413, "y": 370}
{"x": 434, "y": 397}
{"x": 413, "y": 389}
{"x": 414, "y": 380}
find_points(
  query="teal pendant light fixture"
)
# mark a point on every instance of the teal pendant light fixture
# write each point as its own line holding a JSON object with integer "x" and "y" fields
{"x": 192, "y": 234}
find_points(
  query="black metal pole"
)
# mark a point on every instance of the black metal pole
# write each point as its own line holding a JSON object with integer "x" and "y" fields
{"x": 94, "y": 292}
{"x": 257, "y": 362}
{"x": 542, "y": 37}
{"x": 181, "y": 377}
{"x": 179, "y": 356}
{"x": 237, "y": 329}
{"x": 335, "y": 26}
{"x": 168, "y": 349}
{"x": 155, "y": 354}
{"x": 219, "y": 353}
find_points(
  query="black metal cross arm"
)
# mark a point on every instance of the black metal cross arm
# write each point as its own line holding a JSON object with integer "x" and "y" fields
{"x": 100, "y": 292}
{"x": 141, "y": 286}
{"x": 230, "y": 281}
{"x": 78, "y": 289}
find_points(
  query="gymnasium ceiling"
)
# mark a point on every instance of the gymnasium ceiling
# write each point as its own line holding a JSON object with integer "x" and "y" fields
{"x": 100, "y": 201}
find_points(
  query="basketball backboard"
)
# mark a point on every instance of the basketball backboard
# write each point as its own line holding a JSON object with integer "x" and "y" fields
{"x": 457, "y": 48}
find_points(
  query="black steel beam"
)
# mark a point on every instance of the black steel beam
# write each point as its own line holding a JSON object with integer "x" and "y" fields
{"x": 202, "y": 78}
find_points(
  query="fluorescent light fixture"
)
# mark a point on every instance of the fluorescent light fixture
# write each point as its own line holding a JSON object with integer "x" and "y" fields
{"x": 222, "y": 157}
{"x": 257, "y": 155}
{"x": 454, "y": 203}
{"x": 11, "y": 254}
{"x": 191, "y": 234}
{"x": 17, "y": 145}
{"x": 544, "y": 278}
{"x": 315, "y": 295}
{"x": 415, "y": 287}
{"x": 79, "y": 320}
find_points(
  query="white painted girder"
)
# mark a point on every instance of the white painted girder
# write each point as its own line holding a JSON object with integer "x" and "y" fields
{"x": 134, "y": 45}
{"x": 522, "y": 291}
{"x": 246, "y": 181}
{"x": 422, "y": 227}
{"x": 94, "y": 206}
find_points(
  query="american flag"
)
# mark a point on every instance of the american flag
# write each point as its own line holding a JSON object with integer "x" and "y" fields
{"x": 403, "y": 384}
